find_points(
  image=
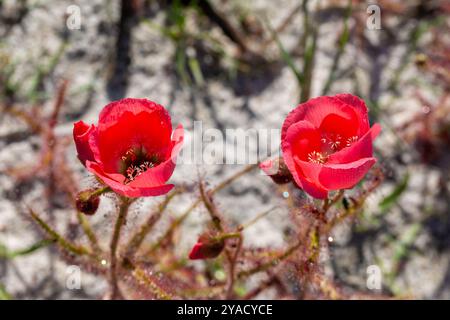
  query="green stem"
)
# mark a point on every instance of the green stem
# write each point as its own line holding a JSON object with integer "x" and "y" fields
{"x": 314, "y": 244}
{"x": 271, "y": 263}
{"x": 233, "y": 261}
{"x": 343, "y": 40}
{"x": 256, "y": 218}
{"x": 137, "y": 239}
{"x": 211, "y": 208}
{"x": 121, "y": 218}
{"x": 183, "y": 216}
{"x": 230, "y": 235}
{"x": 76, "y": 249}
{"x": 142, "y": 276}
{"x": 328, "y": 203}
{"x": 100, "y": 191}
{"x": 89, "y": 232}
{"x": 5, "y": 253}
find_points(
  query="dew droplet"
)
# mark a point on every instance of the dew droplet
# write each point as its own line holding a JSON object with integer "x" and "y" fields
{"x": 426, "y": 109}
{"x": 330, "y": 239}
{"x": 103, "y": 262}
{"x": 285, "y": 194}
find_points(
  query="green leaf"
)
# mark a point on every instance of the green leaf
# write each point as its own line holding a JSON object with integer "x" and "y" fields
{"x": 402, "y": 248}
{"x": 343, "y": 40}
{"x": 194, "y": 66}
{"x": 285, "y": 55}
{"x": 5, "y": 253}
{"x": 66, "y": 244}
{"x": 394, "y": 196}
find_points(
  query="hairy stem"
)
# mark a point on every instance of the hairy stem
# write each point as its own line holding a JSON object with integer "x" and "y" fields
{"x": 271, "y": 263}
{"x": 66, "y": 244}
{"x": 100, "y": 191}
{"x": 183, "y": 216}
{"x": 233, "y": 261}
{"x": 211, "y": 208}
{"x": 137, "y": 239}
{"x": 90, "y": 234}
{"x": 121, "y": 218}
{"x": 144, "y": 278}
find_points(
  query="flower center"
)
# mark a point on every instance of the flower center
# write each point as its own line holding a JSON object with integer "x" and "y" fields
{"x": 330, "y": 143}
{"x": 351, "y": 140}
{"x": 317, "y": 157}
{"x": 136, "y": 161}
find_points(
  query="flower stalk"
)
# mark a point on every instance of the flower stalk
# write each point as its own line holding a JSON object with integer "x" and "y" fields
{"x": 121, "y": 218}
{"x": 90, "y": 234}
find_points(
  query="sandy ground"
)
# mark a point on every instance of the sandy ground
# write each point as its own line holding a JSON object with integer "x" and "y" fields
{"x": 260, "y": 100}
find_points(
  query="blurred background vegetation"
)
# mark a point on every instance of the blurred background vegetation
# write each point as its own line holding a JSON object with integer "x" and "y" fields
{"x": 235, "y": 64}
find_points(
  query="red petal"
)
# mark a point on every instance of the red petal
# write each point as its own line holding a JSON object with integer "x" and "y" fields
{"x": 123, "y": 189}
{"x": 81, "y": 135}
{"x": 132, "y": 123}
{"x": 160, "y": 174}
{"x": 310, "y": 170}
{"x": 298, "y": 140}
{"x": 359, "y": 106}
{"x": 268, "y": 167}
{"x": 346, "y": 127}
{"x": 358, "y": 150}
{"x": 344, "y": 176}
{"x": 177, "y": 140}
{"x": 310, "y": 188}
{"x": 93, "y": 143}
{"x": 308, "y": 179}
{"x": 112, "y": 112}
{"x": 315, "y": 110}
{"x": 301, "y": 138}
{"x": 196, "y": 252}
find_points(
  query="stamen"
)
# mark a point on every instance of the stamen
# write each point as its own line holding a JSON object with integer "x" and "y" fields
{"x": 135, "y": 162}
{"x": 317, "y": 157}
{"x": 129, "y": 156}
{"x": 351, "y": 140}
{"x": 332, "y": 141}
{"x": 335, "y": 142}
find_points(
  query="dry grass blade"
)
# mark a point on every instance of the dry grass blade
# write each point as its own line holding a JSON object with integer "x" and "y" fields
{"x": 186, "y": 213}
{"x": 76, "y": 249}
{"x": 136, "y": 240}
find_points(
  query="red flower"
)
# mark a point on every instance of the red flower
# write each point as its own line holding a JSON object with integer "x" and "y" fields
{"x": 207, "y": 247}
{"x": 197, "y": 252}
{"x": 327, "y": 143}
{"x": 133, "y": 149}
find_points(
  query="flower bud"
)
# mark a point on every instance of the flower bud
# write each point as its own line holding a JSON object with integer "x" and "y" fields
{"x": 207, "y": 247}
{"x": 86, "y": 202}
{"x": 277, "y": 170}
